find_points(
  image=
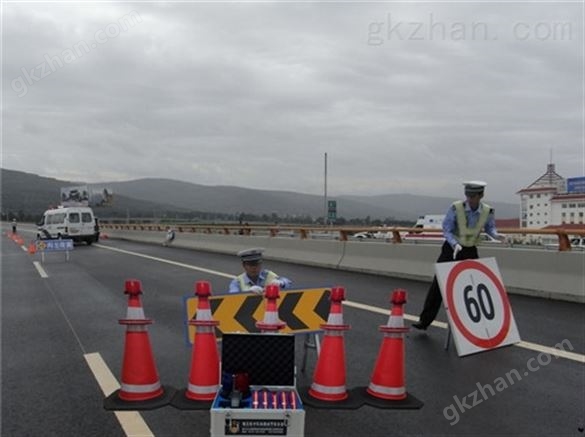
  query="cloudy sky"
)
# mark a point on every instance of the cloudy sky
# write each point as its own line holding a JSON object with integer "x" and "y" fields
{"x": 403, "y": 97}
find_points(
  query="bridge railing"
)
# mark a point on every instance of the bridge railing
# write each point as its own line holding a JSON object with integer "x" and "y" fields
{"x": 343, "y": 233}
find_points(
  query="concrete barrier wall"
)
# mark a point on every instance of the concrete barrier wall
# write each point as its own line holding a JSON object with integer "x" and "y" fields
{"x": 541, "y": 273}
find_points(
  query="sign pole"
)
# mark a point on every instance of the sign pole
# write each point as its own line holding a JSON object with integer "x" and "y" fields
{"x": 325, "y": 220}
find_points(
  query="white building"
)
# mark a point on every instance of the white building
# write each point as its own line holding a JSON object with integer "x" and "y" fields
{"x": 547, "y": 202}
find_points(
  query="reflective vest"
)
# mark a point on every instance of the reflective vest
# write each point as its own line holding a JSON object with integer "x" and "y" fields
{"x": 469, "y": 237}
{"x": 270, "y": 276}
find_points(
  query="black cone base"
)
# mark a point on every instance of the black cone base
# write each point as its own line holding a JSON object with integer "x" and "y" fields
{"x": 408, "y": 403}
{"x": 354, "y": 400}
{"x": 182, "y": 402}
{"x": 113, "y": 402}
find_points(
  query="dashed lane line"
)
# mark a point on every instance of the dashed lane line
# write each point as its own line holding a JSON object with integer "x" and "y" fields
{"x": 131, "y": 421}
{"x": 580, "y": 358}
{"x": 40, "y": 269}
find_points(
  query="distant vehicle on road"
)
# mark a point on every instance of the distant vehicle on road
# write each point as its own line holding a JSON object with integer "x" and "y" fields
{"x": 373, "y": 235}
{"x": 77, "y": 223}
{"x": 363, "y": 235}
{"x": 431, "y": 221}
{"x": 425, "y": 222}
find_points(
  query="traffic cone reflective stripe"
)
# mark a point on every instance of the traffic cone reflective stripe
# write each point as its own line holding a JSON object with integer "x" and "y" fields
{"x": 335, "y": 314}
{"x": 135, "y": 310}
{"x": 334, "y": 393}
{"x": 387, "y": 392}
{"x": 201, "y": 390}
{"x": 138, "y": 389}
{"x": 388, "y": 377}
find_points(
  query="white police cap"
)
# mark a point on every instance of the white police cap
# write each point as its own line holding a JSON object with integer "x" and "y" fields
{"x": 474, "y": 187}
{"x": 251, "y": 255}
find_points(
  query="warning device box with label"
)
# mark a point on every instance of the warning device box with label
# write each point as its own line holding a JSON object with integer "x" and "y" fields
{"x": 258, "y": 396}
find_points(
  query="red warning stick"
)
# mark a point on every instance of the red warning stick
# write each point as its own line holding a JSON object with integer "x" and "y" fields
{"x": 255, "y": 399}
{"x": 283, "y": 400}
{"x": 274, "y": 400}
{"x": 293, "y": 401}
{"x": 265, "y": 399}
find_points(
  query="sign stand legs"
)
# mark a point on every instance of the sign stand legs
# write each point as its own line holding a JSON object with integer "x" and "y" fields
{"x": 308, "y": 344}
{"x": 448, "y": 338}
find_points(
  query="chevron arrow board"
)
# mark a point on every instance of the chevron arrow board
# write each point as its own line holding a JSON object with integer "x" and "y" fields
{"x": 302, "y": 311}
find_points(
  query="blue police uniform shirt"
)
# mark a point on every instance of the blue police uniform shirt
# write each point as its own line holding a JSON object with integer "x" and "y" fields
{"x": 450, "y": 222}
{"x": 235, "y": 283}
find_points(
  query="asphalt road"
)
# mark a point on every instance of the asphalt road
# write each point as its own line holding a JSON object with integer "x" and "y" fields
{"x": 53, "y": 326}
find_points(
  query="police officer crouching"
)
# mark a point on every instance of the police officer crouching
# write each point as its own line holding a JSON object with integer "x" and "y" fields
{"x": 255, "y": 278}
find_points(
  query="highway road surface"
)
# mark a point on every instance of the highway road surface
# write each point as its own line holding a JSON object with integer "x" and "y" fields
{"x": 62, "y": 350}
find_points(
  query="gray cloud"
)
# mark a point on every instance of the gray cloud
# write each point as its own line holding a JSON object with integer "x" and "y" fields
{"x": 406, "y": 97}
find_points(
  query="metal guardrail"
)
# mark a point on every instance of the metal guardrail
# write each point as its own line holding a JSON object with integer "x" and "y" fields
{"x": 343, "y": 233}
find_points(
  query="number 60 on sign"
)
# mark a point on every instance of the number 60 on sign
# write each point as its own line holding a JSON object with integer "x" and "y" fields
{"x": 477, "y": 305}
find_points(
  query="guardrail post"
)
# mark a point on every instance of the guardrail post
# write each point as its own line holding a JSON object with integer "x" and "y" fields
{"x": 396, "y": 238}
{"x": 564, "y": 243}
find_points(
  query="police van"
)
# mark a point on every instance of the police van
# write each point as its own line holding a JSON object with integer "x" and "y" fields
{"x": 75, "y": 222}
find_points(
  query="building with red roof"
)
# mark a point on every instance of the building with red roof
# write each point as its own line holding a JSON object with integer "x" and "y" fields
{"x": 553, "y": 201}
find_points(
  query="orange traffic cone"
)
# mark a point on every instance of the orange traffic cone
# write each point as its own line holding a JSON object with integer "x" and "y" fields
{"x": 204, "y": 374}
{"x": 387, "y": 383}
{"x": 271, "y": 322}
{"x": 140, "y": 387}
{"x": 328, "y": 389}
{"x": 32, "y": 248}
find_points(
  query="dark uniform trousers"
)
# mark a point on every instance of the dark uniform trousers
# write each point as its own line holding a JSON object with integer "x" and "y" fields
{"x": 434, "y": 298}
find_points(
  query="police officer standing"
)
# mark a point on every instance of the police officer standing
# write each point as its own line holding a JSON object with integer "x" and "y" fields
{"x": 462, "y": 226}
{"x": 255, "y": 278}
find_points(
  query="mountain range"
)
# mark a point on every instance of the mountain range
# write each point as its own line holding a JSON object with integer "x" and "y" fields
{"x": 31, "y": 194}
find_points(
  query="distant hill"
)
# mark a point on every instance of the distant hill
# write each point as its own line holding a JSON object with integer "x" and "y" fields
{"x": 32, "y": 194}
{"x": 235, "y": 200}
{"x": 229, "y": 199}
{"x": 29, "y": 195}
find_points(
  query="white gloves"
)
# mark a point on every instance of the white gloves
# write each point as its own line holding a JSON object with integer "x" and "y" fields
{"x": 456, "y": 250}
{"x": 256, "y": 289}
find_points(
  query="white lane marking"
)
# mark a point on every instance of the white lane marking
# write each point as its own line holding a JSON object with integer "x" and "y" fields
{"x": 162, "y": 260}
{"x": 580, "y": 358}
{"x": 40, "y": 269}
{"x": 23, "y": 247}
{"x": 131, "y": 421}
{"x": 523, "y": 344}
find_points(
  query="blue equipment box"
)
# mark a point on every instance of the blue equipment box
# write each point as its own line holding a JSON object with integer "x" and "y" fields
{"x": 258, "y": 396}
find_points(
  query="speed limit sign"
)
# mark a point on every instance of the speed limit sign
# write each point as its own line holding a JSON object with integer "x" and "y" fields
{"x": 477, "y": 305}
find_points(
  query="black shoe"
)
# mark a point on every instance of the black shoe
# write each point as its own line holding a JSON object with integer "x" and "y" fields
{"x": 419, "y": 325}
